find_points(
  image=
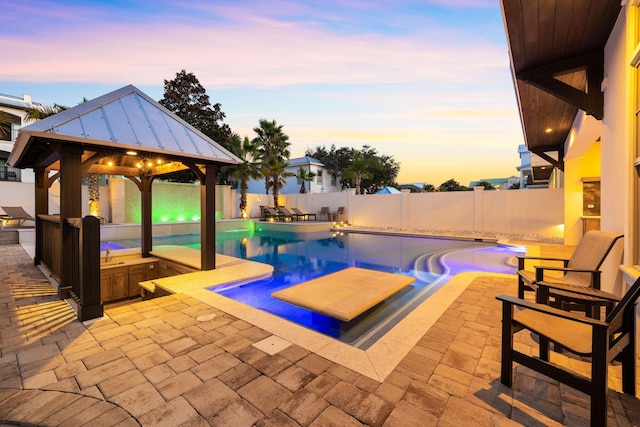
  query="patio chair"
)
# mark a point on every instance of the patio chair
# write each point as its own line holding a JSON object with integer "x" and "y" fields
{"x": 602, "y": 341}
{"x": 339, "y": 215}
{"x": 14, "y": 213}
{"x": 582, "y": 269}
{"x": 272, "y": 213}
{"x": 286, "y": 214}
{"x": 306, "y": 216}
{"x": 324, "y": 214}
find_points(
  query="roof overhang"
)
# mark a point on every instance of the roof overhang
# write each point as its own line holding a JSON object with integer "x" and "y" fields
{"x": 556, "y": 49}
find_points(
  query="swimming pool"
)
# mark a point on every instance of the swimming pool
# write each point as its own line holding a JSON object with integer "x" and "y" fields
{"x": 299, "y": 257}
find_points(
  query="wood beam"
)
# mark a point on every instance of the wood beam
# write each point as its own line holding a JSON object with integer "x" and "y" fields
{"x": 70, "y": 207}
{"x": 89, "y": 162}
{"x": 208, "y": 218}
{"x": 542, "y": 152}
{"x": 146, "y": 201}
{"x": 590, "y": 101}
{"x": 42, "y": 208}
{"x": 49, "y": 156}
{"x": 196, "y": 169}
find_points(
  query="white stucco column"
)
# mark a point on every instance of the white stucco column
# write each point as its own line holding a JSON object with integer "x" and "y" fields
{"x": 117, "y": 200}
{"x": 350, "y": 217}
{"x": 405, "y": 218}
{"x": 478, "y": 209}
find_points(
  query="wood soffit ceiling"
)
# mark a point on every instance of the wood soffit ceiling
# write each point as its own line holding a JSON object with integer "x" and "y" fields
{"x": 556, "y": 49}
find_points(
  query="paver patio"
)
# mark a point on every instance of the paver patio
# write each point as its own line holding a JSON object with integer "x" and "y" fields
{"x": 177, "y": 361}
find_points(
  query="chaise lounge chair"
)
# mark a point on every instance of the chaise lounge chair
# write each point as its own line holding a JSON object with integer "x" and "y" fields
{"x": 602, "y": 341}
{"x": 305, "y": 216}
{"x": 286, "y": 214}
{"x": 272, "y": 213}
{"x": 14, "y": 213}
{"x": 582, "y": 269}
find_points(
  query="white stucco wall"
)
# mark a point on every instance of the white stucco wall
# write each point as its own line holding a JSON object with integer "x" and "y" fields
{"x": 616, "y": 146}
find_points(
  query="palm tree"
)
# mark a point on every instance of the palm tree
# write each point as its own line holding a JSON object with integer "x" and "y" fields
{"x": 5, "y": 124}
{"x": 42, "y": 112}
{"x": 304, "y": 176}
{"x": 359, "y": 170}
{"x": 275, "y": 171}
{"x": 273, "y": 146}
{"x": 246, "y": 151}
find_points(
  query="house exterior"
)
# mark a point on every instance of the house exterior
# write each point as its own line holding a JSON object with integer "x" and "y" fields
{"x": 323, "y": 182}
{"x": 577, "y": 83}
{"x": 498, "y": 183}
{"x": 15, "y": 108}
{"x": 536, "y": 172}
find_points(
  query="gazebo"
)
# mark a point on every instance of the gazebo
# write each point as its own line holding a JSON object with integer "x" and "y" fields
{"x": 121, "y": 133}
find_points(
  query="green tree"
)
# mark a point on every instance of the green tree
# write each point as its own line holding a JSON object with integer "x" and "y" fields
{"x": 359, "y": 170}
{"x": 273, "y": 148}
{"x": 5, "y": 125}
{"x": 487, "y": 185}
{"x": 246, "y": 151}
{"x": 304, "y": 176}
{"x": 42, "y": 112}
{"x": 335, "y": 160}
{"x": 428, "y": 188}
{"x": 452, "y": 185}
{"x": 188, "y": 99}
{"x": 383, "y": 169}
{"x": 275, "y": 169}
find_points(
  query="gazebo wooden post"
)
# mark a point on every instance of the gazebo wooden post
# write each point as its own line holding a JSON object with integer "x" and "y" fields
{"x": 208, "y": 218}
{"x": 146, "y": 201}
{"x": 42, "y": 208}
{"x": 70, "y": 207}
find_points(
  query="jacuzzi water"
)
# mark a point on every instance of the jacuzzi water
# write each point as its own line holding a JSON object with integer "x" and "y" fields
{"x": 299, "y": 257}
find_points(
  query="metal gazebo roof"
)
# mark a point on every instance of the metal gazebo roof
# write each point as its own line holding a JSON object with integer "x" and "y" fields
{"x": 125, "y": 120}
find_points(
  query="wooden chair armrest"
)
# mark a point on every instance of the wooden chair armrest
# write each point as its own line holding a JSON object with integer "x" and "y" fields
{"x": 542, "y": 308}
{"x": 595, "y": 274}
{"x": 567, "y": 269}
{"x": 523, "y": 258}
{"x": 581, "y": 290}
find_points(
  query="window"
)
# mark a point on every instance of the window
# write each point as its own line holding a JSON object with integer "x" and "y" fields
{"x": 334, "y": 181}
{"x": 319, "y": 180}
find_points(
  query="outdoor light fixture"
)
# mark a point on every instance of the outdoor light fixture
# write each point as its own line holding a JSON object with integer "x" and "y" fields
{"x": 548, "y": 130}
{"x": 131, "y": 153}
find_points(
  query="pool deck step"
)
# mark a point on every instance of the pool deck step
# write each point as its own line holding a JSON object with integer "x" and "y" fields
{"x": 229, "y": 270}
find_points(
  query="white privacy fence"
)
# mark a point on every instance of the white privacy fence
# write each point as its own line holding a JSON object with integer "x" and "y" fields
{"x": 533, "y": 214}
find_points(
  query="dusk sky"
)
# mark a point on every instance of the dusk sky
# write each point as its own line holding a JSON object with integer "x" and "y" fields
{"x": 427, "y": 82}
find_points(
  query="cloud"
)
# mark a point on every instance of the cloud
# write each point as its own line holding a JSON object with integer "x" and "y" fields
{"x": 234, "y": 50}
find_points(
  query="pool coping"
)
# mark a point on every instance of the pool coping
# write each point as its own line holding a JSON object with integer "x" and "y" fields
{"x": 381, "y": 358}
{"x": 376, "y": 362}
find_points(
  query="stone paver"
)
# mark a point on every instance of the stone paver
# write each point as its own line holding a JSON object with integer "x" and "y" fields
{"x": 154, "y": 363}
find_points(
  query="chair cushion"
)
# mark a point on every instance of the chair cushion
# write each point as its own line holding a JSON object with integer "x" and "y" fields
{"x": 575, "y": 336}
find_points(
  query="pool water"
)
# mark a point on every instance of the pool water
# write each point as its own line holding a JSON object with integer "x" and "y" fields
{"x": 299, "y": 257}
